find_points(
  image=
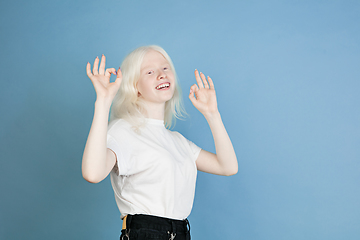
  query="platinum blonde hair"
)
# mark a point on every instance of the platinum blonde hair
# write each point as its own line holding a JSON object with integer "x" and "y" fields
{"x": 128, "y": 105}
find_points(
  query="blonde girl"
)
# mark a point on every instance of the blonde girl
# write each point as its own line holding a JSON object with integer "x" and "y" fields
{"x": 152, "y": 169}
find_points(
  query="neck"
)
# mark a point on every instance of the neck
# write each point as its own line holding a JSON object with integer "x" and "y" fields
{"x": 155, "y": 111}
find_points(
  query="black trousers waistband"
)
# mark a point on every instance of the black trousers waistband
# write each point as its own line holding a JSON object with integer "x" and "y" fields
{"x": 145, "y": 227}
{"x": 139, "y": 221}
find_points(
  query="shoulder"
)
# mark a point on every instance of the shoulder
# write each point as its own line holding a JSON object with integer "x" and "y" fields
{"x": 175, "y": 134}
{"x": 120, "y": 127}
{"x": 178, "y": 136}
{"x": 118, "y": 124}
{"x": 186, "y": 142}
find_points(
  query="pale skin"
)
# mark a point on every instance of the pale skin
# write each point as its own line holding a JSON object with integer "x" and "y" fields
{"x": 98, "y": 160}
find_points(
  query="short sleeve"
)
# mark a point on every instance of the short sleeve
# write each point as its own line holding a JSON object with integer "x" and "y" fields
{"x": 114, "y": 146}
{"x": 194, "y": 148}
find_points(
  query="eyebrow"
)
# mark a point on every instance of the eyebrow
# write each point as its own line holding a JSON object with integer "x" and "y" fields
{"x": 148, "y": 66}
{"x": 143, "y": 68}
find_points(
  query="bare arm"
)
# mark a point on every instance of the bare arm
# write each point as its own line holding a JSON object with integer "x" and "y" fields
{"x": 97, "y": 160}
{"x": 224, "y": 162}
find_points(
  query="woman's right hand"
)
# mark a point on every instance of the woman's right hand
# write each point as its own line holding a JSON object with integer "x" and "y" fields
{"x": 100, "y": 78}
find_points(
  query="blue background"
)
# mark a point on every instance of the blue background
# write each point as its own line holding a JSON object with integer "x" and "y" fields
{"x": 287, "y": 79}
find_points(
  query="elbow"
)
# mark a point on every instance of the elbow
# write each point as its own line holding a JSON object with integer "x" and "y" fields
{"x": 232, "y": 171}
{"x": 91, "y": 178}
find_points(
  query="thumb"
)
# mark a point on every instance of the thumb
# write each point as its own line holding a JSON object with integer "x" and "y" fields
{"x": 192, "y": 96}
{"x": 118, "y": 75}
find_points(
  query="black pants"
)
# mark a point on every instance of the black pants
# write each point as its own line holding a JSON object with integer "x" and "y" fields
{"x": 141, "y": 227}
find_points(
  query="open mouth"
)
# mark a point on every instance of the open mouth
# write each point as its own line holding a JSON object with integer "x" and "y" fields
{"x": 162, "y": 86}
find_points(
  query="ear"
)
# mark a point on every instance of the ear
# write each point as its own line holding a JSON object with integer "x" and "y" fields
{"x": 136, "y": 88}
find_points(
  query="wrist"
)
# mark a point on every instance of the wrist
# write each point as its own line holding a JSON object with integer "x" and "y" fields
{"x": 103, "y": 103}
{"x": 212, "y": 116}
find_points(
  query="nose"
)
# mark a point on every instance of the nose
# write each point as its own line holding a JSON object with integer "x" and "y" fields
{"x": 162, "y": 74}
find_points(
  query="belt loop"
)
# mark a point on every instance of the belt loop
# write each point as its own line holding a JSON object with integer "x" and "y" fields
{"x": 173, "y": 230}
{"x": 127, "y": 222}
{"x": 187, "y": 224}
{"x": 173, "y": 226}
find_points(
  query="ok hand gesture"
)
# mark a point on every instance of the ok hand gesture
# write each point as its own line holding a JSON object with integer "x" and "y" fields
{"x": 203, "y": 95}
{"x": 100, "y": 78}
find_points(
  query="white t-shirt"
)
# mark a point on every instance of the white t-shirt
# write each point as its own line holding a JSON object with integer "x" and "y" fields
{"x": 156, "y": 170}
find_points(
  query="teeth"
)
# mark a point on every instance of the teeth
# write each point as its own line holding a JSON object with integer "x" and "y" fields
{"x": 163, "y": 85}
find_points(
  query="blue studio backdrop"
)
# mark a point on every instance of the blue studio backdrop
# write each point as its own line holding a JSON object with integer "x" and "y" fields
{"x": 287, "y": 79}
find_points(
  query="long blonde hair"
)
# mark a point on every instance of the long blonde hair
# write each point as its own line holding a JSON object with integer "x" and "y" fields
{"x": 128, "y": 105}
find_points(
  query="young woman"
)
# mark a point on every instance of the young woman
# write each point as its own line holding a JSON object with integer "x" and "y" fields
{"x": 152, "y": 169}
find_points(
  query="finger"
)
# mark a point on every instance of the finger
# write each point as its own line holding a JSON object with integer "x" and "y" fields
{"x": 203, "y": 78}
{"x": 192, "y": 95}
{"x": 102, "y": 65}
{"x": 118, "y": 75}
{"x": 88, "y": 70}
{"x": 110, "y": 71}
{"x": 198, "y": 79}
{"x": 194, "y": 88}
{"x": 96, "y": 65}
{"x": 211, "y": 83}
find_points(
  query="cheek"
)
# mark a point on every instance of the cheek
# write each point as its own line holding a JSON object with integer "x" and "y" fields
{"x": 140, "y": 85}
{"x": 143, "y": 87}
{"x": 171, "y": 74}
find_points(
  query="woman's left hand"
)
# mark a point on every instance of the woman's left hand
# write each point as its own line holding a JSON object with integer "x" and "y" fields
{"x": 203, "y": 95}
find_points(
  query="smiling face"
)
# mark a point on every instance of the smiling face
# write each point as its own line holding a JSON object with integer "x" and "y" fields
{"x": 156, "y": 84}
